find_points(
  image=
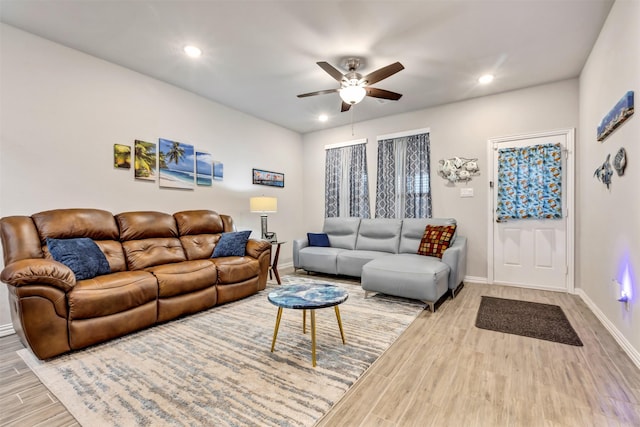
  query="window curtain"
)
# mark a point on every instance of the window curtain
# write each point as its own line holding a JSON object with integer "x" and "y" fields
{"x": 403, "y": 188}
{"x": 530, "y": 182}
{"x": 346, "y": 182}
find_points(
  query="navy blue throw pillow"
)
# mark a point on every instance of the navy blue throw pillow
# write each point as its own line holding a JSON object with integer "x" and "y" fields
{"x": 81, "y": 255}
{"x": 318, "y": 239}
{"x": 232, "y": 244}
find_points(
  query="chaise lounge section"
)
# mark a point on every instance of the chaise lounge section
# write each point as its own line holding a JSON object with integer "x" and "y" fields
{"x": 384, "y": 254}
{"x": 161, "y": 268}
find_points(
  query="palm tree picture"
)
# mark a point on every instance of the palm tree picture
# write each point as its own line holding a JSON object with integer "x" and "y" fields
{"x": 121, "y": 156}
{"x": 145, "y": 160}
{"x": 177, "y": 164}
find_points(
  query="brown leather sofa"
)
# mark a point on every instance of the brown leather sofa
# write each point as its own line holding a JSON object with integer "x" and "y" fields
{"x": 161, "y": 269}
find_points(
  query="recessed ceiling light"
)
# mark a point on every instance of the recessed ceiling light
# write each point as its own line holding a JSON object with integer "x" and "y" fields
{"x": 323, "y": 117}
{"x": 487, "y": 78}
{"x": 192, "y": 51}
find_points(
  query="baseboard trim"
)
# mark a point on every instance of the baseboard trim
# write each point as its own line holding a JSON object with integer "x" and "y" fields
{"x": 475, "y": 279}
{"x": 285, "y": 265}
{"x": 6, "y": 330}
{"x": 633, "y": 354}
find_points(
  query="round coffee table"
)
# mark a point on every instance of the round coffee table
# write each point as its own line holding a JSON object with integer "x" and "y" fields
{"x": 308, "y": 297}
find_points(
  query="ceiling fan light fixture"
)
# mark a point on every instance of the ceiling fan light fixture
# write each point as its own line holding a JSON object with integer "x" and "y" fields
{"x": 352, "y": 94}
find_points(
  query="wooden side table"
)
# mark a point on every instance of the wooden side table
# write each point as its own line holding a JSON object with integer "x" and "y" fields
{"x": 274, "y": 264}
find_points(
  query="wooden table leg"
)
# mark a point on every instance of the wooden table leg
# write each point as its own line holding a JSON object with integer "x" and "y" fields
{"x": 313, "y": 337}
{"x": 340, "y": 324}
{"x": 274, "y": 265}
{"x": 275, "y": 332}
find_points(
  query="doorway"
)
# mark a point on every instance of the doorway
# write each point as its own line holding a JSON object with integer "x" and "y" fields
{"x": 533, "y": 253}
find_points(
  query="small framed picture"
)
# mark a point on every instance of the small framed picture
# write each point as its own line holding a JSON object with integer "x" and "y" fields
{"x": 121, "y": 156}
{"x": 273, "y": 179}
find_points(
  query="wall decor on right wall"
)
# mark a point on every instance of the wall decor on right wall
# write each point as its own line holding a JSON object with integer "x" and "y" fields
{"x": 618, "y": 115}
{"x": 604, "y": 172}
{"x": 620, "y": 161}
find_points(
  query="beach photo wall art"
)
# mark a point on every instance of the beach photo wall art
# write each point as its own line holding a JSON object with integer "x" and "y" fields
{"x": 218, "y": 170}
{"x": 273, "y": 179}
{"x": 145, "y": 160}
{"x": 618, "y": 115}
{"x": 204, "y": 169}
{"x": 176, "y": 164}
{"x": 121, "y": 156}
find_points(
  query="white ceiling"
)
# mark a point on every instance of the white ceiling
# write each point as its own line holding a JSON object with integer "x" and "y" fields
{"x": 258, "y": 55}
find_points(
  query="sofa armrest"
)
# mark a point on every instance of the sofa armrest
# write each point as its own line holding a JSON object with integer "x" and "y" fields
{"x": 39, "y": 271}
{"x": 297, "y": 245}
{"x": 456, "y": 258}
{"x": 257, "y": 247}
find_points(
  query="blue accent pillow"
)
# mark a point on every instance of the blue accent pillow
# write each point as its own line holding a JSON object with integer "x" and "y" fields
{"x": 318, "y": 239}
{"x": 232, "y": 244}
{"x": 81, "y": 255}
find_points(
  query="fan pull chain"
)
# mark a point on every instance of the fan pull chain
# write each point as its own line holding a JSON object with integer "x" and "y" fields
{"x": 352, "y": 132}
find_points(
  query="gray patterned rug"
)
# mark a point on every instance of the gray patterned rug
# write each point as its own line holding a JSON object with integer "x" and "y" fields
{"x": 216, "y": 368}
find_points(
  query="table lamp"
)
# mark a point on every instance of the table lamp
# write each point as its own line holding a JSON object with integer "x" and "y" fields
{"x": 263, "y": 205}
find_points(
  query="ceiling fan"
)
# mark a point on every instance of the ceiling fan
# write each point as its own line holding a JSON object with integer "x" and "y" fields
{"x": 354, "y": 87}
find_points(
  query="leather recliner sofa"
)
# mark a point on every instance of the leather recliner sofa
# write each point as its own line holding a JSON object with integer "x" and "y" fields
{"x": 161, "y": 269}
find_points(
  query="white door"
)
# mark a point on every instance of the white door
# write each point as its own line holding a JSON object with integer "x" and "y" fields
{"x": 535, "y": 253}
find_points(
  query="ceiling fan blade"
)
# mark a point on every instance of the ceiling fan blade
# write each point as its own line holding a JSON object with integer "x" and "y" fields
{"x": 383, "y": 73}
{"x": 345, "y": 107}
{"x": 381, "y": 93}
{"x": 319, "y": 92}
{"x": 331, "y": 70}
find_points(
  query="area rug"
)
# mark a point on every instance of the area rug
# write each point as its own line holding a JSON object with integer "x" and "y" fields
{"x": 216, "y": 368}
{"x": 529, "y": 319}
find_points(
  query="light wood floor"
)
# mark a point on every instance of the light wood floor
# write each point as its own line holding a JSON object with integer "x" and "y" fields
{"x": 443, "y": 371}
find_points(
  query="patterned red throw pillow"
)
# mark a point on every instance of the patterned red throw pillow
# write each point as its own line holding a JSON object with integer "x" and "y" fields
{"x": 436, "y": 240}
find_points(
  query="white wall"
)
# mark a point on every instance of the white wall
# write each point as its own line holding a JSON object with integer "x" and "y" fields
{"x": 457, "y": 129}
{"x": 61, "y": 111}
{"x": 609, "y": 219}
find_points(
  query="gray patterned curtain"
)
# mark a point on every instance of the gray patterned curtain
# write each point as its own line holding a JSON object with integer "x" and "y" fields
{"x": 403, "y": 188}
{"x": 332, "y": 179}
{"x": 346, "y": 182}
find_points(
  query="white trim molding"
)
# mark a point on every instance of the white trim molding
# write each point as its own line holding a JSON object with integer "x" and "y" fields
{"x": 403, "y": 134}
{"x": 633, "y": 354}
{"x": 475, "y": 279}
{"x": 6, "y": 330}
{"x": 346, "y": 144}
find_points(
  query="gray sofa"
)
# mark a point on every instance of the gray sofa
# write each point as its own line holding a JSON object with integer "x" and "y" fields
{"x": 383, "y": 253}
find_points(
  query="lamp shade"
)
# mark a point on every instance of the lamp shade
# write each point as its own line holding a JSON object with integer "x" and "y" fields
{"x": 352, "y": 94}
{"x": 263, "y": 204}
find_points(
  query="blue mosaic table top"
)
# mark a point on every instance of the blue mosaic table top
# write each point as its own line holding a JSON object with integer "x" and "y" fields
{"x": 308, "y": 296}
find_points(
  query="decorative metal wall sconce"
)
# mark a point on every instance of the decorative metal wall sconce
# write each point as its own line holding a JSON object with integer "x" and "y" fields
{"x": 620, "y": 161}
{"x": 458, "y": 169}
{"x": 604, "y": 172}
